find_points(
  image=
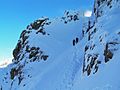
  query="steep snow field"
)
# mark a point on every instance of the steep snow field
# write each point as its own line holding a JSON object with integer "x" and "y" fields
{"x": 64, "y": 54}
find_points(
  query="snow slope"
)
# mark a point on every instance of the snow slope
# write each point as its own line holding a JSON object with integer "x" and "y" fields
{"x": 46, "y": 58}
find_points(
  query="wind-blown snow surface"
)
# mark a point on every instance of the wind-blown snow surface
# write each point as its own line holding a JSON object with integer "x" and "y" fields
{"x": 91, "y": 64}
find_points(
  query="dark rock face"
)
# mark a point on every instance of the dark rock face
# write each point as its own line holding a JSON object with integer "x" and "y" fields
{"x": 16, "y": 51}
{"x": 107, "y": 53}
{"x": 37, "y": 25}
{"x": 99, "y": 4}
{"x": 44, "y": 57}
{"x": 110, "y": 48}
{"x": 24, "y": 50}
{"x": 70, "y": 17}
{"x": 92, "y": 59}
{"x": 91, "y": 62}
{"x": 21, "y": 43}
{"x": 35, "y": 53}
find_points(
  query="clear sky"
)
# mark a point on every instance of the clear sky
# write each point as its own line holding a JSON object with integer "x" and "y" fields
{"x": 15, "y": 15}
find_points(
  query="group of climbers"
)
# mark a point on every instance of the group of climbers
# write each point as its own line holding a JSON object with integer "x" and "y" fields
{"x": 75, "y": 41}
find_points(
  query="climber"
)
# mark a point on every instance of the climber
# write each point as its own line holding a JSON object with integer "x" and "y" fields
{"x": 76, "y": 40}
{"x": 73, "y": 42}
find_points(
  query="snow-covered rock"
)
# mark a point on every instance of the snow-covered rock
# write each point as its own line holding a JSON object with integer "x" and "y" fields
{"x": 66, "y": 54}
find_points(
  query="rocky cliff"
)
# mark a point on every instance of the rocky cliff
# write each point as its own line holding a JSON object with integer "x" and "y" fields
{"x": 66, "y": 54}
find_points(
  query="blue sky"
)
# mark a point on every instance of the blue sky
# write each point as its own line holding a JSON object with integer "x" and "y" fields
{"x": 15, "y": 15}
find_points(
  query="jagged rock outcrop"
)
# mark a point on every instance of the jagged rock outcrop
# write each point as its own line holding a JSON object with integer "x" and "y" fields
{"x": 40, "y": 42}
{"x": 104, "y": 41}
{"x": 62, "y": 54}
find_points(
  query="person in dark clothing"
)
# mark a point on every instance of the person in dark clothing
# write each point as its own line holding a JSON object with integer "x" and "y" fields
{"x": 76, "y": 40}
{"x": 73, "y": 42}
